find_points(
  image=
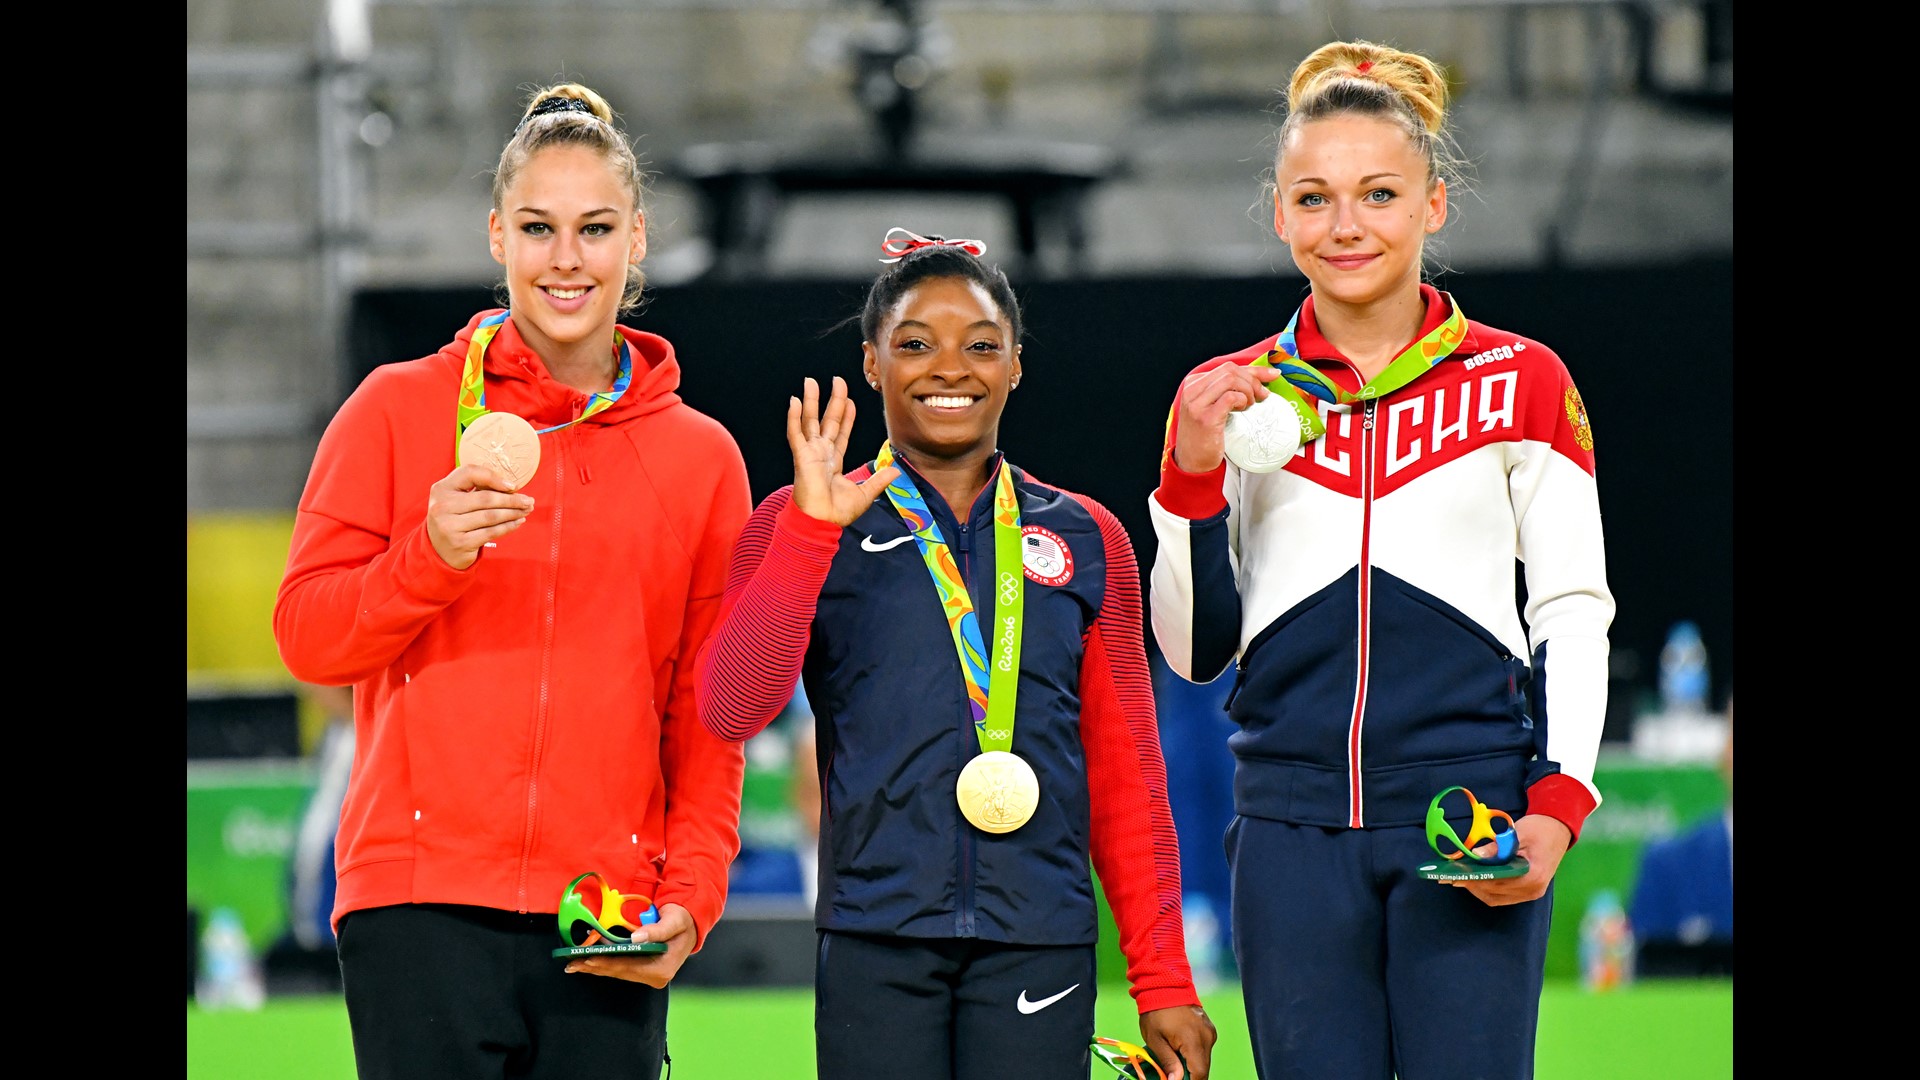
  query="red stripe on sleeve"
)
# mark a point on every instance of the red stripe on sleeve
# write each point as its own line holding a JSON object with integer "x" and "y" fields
{"x": 751, "y": 663}
{"x": 1136, "y": 852}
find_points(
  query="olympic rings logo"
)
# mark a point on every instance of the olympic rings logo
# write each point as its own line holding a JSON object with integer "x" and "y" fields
{"x": 1009, "y": 587}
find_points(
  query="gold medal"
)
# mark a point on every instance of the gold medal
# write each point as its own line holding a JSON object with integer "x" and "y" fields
{"x": 998, "y": 791}
{"x": 504, "y": 441}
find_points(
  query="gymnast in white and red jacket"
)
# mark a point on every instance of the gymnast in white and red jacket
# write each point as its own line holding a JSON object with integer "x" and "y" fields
{"x": 1341, "y": 509}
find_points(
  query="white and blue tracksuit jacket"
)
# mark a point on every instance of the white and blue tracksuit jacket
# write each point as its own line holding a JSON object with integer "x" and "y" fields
{"x": 1368, "y": 592}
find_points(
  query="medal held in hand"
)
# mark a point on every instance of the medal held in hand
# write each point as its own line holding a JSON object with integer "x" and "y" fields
{"x": 595, "y": 919}
{"x": 1458, "y": 860}
{"x": 503, "y": 440}
{"x": 997, "y": 791}
{"x": 1261, "y": 437}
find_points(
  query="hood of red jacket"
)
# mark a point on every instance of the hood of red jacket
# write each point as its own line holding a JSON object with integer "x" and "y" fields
{"x": 518, "y": 382}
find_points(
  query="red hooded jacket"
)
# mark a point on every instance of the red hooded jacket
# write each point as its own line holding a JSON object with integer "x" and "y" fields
{"x": 532, "y": 717}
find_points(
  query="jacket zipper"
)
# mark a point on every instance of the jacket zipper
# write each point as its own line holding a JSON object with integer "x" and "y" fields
{"x": 1363, "y": 640}
{"x": 548, "y": 620}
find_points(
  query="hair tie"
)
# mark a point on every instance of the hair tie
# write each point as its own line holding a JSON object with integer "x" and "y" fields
{"x": 554, "y": 104}
{"x": 899, "y": 246}
{"x": 1363, "y": 66}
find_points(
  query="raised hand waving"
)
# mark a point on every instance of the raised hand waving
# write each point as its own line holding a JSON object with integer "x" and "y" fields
{"x": 818, "y": 438}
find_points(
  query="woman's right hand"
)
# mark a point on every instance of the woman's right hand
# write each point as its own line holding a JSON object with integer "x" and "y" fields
{"x": 1207, "y": 398}
{"x": 471, "y": 507}
{"x": 819, "y": 441}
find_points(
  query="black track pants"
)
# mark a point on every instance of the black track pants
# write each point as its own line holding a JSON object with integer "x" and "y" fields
{"x": 441, "y": 990}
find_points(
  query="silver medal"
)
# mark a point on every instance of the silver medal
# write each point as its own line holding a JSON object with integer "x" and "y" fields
{"x": 1263, "y": 436}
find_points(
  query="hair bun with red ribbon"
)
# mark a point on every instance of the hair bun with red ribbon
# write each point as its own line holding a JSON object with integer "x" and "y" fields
{"x": 897, "y": 246}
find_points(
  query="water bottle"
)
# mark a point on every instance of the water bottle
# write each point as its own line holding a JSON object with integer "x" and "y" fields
{"x": 1203, "y": 940}
{"x": 1606, "y": 943}
{"x": 230, "y": 975}
{"x": 1684, "y": 683}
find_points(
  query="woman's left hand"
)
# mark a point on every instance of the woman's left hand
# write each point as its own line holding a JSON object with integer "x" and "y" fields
{"x": 655, "y": 969}
{"x": 1543, "y": 842}
{"x": 1182, "y": 1032}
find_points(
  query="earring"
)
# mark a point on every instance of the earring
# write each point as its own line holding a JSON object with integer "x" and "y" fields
{"x": 1016, "y": 385}
{"x": 875, "y": 383}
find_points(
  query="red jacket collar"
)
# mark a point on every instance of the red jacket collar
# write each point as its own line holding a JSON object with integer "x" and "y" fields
{"x": 1306, "y": 333}
{"x": 516, "y": 374}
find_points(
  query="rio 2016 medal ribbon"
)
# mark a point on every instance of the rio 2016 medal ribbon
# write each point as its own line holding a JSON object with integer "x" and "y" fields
{"x": 1261, "y": 437}
{"x": 504, "y": 440}
{"x": 997, "y": 791}
{"x": 1254, "y": 443}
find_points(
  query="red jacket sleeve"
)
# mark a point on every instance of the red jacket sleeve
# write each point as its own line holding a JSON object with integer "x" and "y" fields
{"x": 1135, "y": 849}
{"x": 752, "y": 663}
{"x": 1194, "y": 496}
{"x": 703, "y": 774}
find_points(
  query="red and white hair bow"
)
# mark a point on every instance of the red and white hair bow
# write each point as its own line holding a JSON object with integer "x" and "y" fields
{"x": 898, "y": 246}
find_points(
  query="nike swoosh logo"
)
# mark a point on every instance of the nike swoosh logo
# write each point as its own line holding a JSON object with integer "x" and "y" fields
{"x": 867, "y": 544}
{"x": 1026, "y": 1006}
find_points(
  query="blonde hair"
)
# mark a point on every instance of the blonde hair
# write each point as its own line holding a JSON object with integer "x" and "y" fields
{"x": 1366, "y": 79}
{"x": 550, "y": 119}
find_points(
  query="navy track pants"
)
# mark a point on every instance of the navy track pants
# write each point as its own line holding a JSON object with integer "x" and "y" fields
{"x": 952, "y": 1009}
{"x": 1355, "y": 968}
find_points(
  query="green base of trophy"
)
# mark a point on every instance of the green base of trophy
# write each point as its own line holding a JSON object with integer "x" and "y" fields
{"x": 653, "y": 948}
{"x": 1467, "y": 870}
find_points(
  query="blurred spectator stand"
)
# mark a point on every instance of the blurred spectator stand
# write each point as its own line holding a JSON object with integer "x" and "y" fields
{"x": 1045, "y": 185}
{"x": 890, "y": 57}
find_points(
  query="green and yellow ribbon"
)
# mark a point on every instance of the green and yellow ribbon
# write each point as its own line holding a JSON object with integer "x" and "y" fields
{"x": 992, "y": 681}
{"x": 473, "y": 386}
{"x": 1300, "y": 379}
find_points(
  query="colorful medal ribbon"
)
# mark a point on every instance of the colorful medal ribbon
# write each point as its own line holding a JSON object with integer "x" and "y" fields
{"x": 991, "y": 693}
{"x": 1300, "y": 378}
{"x": 473, "y": 387}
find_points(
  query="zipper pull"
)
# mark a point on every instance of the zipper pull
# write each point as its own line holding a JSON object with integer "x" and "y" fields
{"x": 1368, "y": 414}
{"x": 1239, "y": 680}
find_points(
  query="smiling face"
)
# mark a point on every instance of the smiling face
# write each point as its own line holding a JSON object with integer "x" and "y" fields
{"x": 945, "y": 359}
{"x": 1355, "y": 202}
{"x": 566, "y": 230}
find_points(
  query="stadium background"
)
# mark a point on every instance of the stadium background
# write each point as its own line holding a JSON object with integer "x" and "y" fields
{"x": 337, "y": 189}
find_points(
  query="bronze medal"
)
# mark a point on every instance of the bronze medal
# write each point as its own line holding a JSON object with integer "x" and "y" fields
{"x": 504, "y": 441}
{"x": 998, "y": 791}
